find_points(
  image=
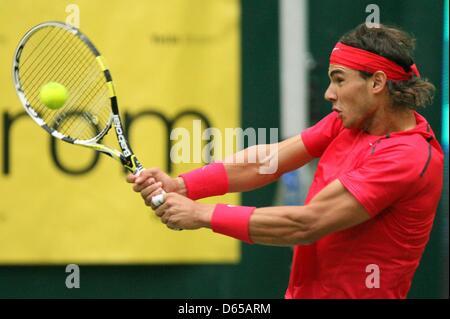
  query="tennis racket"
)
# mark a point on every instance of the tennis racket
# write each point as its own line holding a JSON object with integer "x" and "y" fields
{"x": 58, "y": 52}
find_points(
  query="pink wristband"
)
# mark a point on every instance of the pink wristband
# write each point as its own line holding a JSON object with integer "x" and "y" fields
{"x": 232, "y": 221}
{"x": 207, "y": 181}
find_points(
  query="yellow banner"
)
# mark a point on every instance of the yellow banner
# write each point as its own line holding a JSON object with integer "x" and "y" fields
{"x": 169, "y": 59}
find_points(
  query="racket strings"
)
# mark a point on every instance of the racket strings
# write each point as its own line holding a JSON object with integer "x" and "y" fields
{"x": 57, "y": 62}
{"x": 34, "y": 86}
{"x": 53, "y": 54}
{"x": 56, "y": 58}
{"x": 60, "y": 63}
{"x": 78, "y": 95}
{"x": 93, "y": 117}
{"x": 77, "y": 90}
{"x": 42, "y": 48}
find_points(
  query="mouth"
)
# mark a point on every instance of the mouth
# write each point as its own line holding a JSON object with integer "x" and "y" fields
{"x": 335, "y": 109}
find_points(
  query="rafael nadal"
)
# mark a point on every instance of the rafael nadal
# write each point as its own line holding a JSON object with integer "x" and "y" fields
{"x": 375, "y": 192}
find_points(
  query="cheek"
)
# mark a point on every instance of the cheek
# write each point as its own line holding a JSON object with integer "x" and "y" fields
{"x": 354, "y": 106}
{"x": 357, "y": 99}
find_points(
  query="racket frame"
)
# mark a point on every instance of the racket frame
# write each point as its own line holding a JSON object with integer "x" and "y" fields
{"x": 126, "y": 157}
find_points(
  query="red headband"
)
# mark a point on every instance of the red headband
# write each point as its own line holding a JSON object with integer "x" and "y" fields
{"x": 361, "y": 60}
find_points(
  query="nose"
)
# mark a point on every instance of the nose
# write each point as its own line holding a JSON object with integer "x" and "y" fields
{"x": 330, "y": 95}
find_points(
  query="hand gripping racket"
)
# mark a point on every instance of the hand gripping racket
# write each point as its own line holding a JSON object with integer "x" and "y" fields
{"x": 58, "y": 52}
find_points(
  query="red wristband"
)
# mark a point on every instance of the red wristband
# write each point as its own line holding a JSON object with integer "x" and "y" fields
{"x": 232, "y": 221}
{"x": 207, "y": 181}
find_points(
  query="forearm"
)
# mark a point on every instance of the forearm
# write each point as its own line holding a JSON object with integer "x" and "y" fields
{"x": 260, "y": 165}
{"x": 282, "y": 225}
{"x": 278, "y": 225}
{"x": 246, "y": 170}
{"x": 252, "y": 168}
{"x": 333, "y": 209}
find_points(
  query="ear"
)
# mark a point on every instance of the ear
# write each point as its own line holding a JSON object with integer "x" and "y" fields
{"x": 379, "y": 82}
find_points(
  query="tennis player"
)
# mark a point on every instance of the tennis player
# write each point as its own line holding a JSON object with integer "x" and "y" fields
{"x": 371, "y": 205}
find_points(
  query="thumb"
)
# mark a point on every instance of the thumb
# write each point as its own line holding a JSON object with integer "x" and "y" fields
{"x": 131, "y": 178}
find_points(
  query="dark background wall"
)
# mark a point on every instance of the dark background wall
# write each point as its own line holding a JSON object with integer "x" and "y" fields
{"x": 263, "y": 271}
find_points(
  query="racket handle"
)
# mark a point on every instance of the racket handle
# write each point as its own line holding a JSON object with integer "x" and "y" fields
{"x": 156, "y": 200}
{"x": 139, "y": 170}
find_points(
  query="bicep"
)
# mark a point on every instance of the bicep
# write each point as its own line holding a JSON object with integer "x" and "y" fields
{"x": 335, "y": 209}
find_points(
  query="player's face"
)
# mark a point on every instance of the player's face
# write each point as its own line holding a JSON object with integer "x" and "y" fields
{"x": 349, "y": 94}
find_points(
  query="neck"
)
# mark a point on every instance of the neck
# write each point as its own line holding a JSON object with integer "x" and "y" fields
{"x": 387, "y": 120}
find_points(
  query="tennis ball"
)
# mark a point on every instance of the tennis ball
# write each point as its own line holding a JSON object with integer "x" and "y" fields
{"x": 53, "y": 95}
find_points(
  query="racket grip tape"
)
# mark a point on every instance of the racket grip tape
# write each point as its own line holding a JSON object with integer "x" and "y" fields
{"x": 158, "y": 199}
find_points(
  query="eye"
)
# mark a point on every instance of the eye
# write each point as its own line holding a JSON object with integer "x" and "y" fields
{"x": 338, "y": 81}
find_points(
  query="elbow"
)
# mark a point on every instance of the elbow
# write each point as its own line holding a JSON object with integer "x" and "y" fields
{"x": 305, "y": 237}
{"x": 265, "y": 156}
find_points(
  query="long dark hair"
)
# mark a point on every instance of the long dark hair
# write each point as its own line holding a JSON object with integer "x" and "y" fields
{"x": 397, "y": 46}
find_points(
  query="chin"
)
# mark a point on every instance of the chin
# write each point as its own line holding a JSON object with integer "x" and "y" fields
{"x": 346, "y": 123}
{"x": 350, "y": 125}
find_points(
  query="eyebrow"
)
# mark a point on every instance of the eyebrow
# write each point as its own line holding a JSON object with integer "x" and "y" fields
{"x": 334, "y": 72}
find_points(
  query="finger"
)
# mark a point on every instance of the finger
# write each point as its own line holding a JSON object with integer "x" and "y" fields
{"x": 131, "y": 178}
{"x": 152, "y": 198}
{"x": 153, "y": 188}
{"x": 139, "y": 187}
{"x": 141, "y": 179}
{"x": 160, "y": 210}
{"x": 158, "y": 199}
{"x": 149, "y": 172}
{"x": 145, "y": 174}
{"x": 173, "y": 227}
{"x": 158, "y": 192}
{"x": 170, "y": 223}
{"x": 165, "y": 218}
{"x": 154, "y": 170}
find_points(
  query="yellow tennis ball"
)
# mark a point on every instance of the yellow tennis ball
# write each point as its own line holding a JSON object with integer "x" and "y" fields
{"x": 53, "y": 95}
